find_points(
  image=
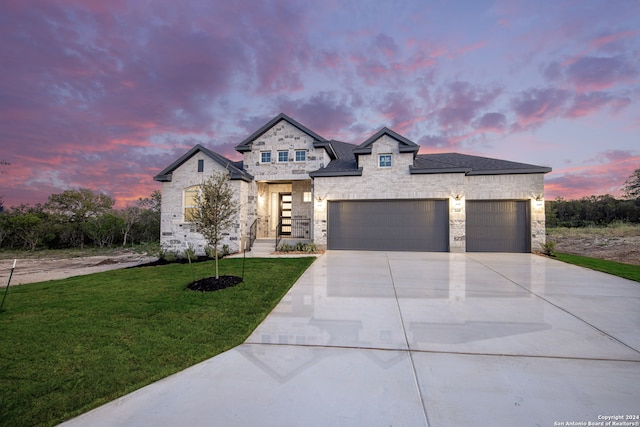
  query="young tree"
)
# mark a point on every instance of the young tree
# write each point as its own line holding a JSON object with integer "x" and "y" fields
{"x": 632, "y": 185}
{"x": 216, "y": 210}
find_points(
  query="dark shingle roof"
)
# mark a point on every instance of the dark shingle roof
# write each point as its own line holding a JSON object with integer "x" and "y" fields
{"x": 236, "y": 171}
{"x": 471, "y": 165}
{"x": 343, "y": 165}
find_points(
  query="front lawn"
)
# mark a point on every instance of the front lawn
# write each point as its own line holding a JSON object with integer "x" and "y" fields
{"x": 68, "y": 346}
{"x": 628, "y": 271}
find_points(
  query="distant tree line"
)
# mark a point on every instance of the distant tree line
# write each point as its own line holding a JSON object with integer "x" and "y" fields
{"x": 590, "y": 211}
{"x": 597, "y": 210}
{"x": 79, "y": 218}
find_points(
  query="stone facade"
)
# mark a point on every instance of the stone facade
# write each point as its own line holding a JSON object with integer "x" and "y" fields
{"x": 178, "y": 234}
{"x": 283, "y": 137}
{"x": 264, "y": 179}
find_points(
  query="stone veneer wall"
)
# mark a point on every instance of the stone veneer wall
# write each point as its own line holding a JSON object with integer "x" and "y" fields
{"x": 397, "y": 183}
{"x": 176, "y": 233}
{"x": 283, "y": 137}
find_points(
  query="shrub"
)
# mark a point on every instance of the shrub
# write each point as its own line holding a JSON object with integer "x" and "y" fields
{"x": 548, "y": 247}
{"x": 285, "y": 248}
{"x": 189, "y": 253}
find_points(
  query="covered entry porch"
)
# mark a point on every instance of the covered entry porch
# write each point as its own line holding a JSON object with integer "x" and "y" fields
{"x": 285, "y": 210}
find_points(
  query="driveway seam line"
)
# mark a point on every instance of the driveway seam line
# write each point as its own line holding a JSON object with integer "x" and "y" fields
{"x": 560, "y": 308}
{"x": 406, "y": 340}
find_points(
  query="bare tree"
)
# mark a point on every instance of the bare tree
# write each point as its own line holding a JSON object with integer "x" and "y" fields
{"x": 216, "y": 211}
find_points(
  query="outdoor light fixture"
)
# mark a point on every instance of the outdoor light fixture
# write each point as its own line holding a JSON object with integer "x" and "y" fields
{"x": 539, "y": 203}
{"x": 457, "y": 203}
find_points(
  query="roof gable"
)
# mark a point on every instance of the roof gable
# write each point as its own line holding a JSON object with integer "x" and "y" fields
{"x": 234, "y": 171}
{"x": 318, "y": 141}
{"x": 405, "y": 145}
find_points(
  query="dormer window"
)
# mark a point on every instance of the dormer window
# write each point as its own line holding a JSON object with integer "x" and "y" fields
{"x": 265, "y": 157}
{"x": 283, "y": 156}
{"x": 384, "y": 160}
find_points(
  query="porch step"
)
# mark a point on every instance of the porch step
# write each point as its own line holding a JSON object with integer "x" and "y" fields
{"x": 263, "y": 247}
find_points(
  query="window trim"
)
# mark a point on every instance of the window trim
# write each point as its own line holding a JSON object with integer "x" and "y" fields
{"x": 286, "y": 153}
{"x": 304, "y": 154}
{"x": 186, "y": 198}
{"x": 262, "y": 156}
{"x": 384, "y": 156}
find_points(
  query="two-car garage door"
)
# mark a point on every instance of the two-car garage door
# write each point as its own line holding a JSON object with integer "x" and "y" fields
{"x": 423, "y": 225}
{"x": 389, "y": 225}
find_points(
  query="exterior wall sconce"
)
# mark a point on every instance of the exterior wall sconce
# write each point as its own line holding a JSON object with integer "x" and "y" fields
{"x": 539, "y": 202}
{"x": 457, "y": 203}
{"x": 319, "y": 204}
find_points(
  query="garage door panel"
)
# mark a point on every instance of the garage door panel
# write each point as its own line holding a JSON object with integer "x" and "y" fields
{"x": 394, "y": 225}
{"x": 497, "y": 226}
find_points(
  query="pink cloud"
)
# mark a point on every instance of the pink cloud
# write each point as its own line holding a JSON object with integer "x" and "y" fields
{"x": 606, "y": 177}
{"x": 588, "y": 103}
{"x": 535, "y": 106}
{"x": 462, "y": 102}
{"x": 592, "y": 73}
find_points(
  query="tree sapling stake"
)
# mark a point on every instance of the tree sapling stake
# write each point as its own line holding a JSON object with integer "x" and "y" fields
{"x": 8, "y": 282}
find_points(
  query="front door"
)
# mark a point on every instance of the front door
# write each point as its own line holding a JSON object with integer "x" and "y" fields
{"x": 285, "y": 214}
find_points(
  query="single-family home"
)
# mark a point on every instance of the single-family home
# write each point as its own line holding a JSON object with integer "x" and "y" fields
{"x": 294, "y": 185}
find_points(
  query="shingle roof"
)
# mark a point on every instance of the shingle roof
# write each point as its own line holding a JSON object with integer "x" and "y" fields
{"x": 471, "y": 165}
{"x": 344, "y": 164}
{"x": 235, "y": 169}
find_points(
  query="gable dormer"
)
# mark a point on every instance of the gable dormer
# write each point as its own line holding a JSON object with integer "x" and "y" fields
{"x": 284, "y": 149}
{"x": 386, "y": 149}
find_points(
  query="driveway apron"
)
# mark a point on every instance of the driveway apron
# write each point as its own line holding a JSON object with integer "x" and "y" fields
{"x": 417, "y": 339}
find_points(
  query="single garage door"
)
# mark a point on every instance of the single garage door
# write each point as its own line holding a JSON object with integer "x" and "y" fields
{"x": 388, "y": 225}
{"x": 498, "y": 226}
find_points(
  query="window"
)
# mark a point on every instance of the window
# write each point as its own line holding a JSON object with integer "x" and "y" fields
{"x": 306, "y": 196}
{"x": 200, "y": 165}
{"x": 384, "y": 160}
{"x": 191, "y": 198}
{"x": 283, "y": 156}
{"x": 265, "y": 157}
{"x": 301, "y": 155}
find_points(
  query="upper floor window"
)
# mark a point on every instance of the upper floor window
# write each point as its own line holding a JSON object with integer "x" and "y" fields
{"x": 384, "y": 160}
{"x": 265, "y": 157}
{"x": 301, "y": 155}
{"x": 200, "y": 165}
{"x": 283, "y": 156}
{"x": 191, "y": 198}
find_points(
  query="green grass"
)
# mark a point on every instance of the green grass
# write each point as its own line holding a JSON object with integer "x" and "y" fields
{"x": 628, "y": 271}
{"x": 67, "y": 346}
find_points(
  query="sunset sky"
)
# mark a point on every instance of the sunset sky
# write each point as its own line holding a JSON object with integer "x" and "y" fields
{"x": 104, "y": 94}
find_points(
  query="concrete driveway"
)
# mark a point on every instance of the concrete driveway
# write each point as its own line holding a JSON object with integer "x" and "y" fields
{"x": 417, "y": 339}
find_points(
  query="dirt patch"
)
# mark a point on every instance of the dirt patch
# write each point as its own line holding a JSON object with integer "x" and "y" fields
{"x": 613, "y": 248}
{"x": 31, "y": 270}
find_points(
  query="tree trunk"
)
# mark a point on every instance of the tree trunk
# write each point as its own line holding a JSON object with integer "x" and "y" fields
{"x": 217, "y": 262}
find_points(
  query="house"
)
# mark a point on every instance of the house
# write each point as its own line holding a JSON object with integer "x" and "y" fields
{"x": 295, "y": 185}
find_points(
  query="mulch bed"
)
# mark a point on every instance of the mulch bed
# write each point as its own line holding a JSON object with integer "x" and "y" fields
{"x": 210, "y": 284}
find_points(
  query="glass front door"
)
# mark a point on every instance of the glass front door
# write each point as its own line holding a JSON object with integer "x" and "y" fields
{"x": 285, "y": 213}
